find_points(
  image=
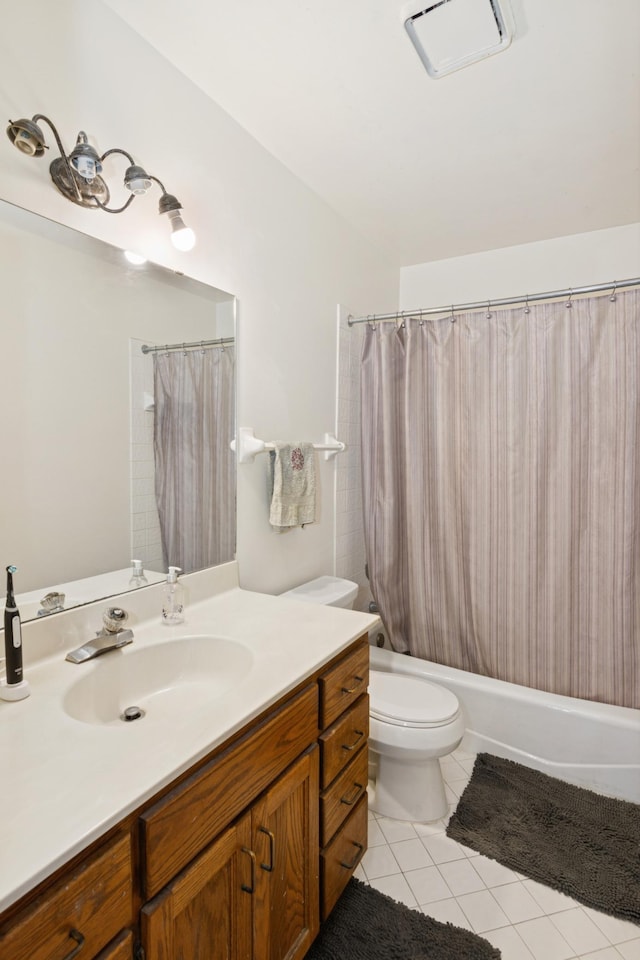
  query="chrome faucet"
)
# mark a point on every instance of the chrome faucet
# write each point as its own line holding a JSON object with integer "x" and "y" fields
{"x": 111, "y": 637}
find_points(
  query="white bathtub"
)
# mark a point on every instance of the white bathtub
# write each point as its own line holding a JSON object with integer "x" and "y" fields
{"x": 593, "y": 745}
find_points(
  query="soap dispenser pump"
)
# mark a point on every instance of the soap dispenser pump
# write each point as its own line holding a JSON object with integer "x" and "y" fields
{"x": 173, "y": 603}
{"x": 138, "y": 578}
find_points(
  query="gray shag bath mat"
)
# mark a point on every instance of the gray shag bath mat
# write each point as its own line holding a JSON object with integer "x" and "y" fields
{"x": 367, "y": 925}
{"x": 566, "y": 837}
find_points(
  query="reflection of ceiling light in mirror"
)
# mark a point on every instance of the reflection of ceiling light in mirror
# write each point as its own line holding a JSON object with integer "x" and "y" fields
{"x": 135, "y": 258}
{"x": 451, "y": 34}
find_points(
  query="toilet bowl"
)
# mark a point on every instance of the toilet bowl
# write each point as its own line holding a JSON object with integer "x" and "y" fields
{"x": 412, "y": 723}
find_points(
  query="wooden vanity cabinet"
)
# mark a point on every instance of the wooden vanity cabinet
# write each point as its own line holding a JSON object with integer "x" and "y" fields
{"x": 344, "y": 717}
{"x": 253, "y": 892}
{"x": 239, "y": 860}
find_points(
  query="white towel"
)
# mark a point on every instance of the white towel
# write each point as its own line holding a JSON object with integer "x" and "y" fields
{"x": 293, "y": 476}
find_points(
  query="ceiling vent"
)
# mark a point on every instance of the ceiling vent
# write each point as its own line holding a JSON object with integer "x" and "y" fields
{"x": 451, "y": 34}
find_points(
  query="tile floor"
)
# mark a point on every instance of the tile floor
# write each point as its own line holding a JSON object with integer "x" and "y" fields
{"x": 420, "y": 866}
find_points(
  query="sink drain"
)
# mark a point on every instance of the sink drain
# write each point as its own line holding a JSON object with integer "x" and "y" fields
{"x": 131, "y": 713}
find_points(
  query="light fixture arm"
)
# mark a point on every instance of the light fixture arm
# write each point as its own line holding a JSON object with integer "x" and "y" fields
{"x": 63, "y": 153}
{"x": 103, "y": 206}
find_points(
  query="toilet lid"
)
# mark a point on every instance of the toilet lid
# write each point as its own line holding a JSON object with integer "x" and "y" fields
{"x": 410, "y": 701}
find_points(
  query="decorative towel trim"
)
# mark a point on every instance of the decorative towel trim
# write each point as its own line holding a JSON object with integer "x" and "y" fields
{"x": 293, "y": 477}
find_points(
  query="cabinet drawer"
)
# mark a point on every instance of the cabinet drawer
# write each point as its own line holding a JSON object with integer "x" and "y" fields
{"x": 120, "y": 949}
{"x": 189, "y": 817}
{"x": 341, "y": 741}
{"x": 344, "y": 683}
{"x": 94, "y": 901}
{"x": 339, "y": 799}
{"x": 342, "y": 856}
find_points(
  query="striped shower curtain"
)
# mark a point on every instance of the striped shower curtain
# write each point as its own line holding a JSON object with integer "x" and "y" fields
{"x": 194, "y": 465}
{"x": 501, "y": 471}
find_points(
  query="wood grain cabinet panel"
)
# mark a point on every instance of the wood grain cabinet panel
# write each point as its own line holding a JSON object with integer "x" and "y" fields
{"x": 342, "y": 856}
{"x": 180, "y": 825}
{"x": 119, "y": 949}
{"x": 339, "y": 799}
{"x": 85, "y": 909}
{"x": 343, "y": 739}
{"x": 344, "y": 683}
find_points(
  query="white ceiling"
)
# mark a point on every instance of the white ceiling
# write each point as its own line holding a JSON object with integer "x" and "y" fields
{"x": 539, "y": 141}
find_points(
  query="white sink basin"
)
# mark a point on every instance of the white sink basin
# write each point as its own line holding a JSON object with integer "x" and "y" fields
{"x": 163, "y": 679}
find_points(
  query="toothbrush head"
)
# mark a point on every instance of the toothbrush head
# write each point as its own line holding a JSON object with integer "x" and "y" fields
{"x": 11, "y": 569}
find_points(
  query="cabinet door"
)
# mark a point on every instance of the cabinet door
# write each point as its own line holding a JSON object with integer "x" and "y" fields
{"x": 285, "y": 838}
{"x": 205, "y": 913}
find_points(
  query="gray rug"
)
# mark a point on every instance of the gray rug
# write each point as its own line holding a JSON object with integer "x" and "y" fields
{"x": 367, "y": 925}
{"x": 566, "y": 837}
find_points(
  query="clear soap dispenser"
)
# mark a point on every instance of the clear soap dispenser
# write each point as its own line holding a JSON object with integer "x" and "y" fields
{"x": 173, "y": 603}
{"x": 138, "y": 578}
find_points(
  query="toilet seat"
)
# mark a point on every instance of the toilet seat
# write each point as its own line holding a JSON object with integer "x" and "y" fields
{"x": 410, "y": 701}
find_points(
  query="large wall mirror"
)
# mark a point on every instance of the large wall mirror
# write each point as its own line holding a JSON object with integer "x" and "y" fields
{"x": 110, "y": 453}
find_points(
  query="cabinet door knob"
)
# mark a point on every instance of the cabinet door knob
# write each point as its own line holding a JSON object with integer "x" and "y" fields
{"x": 252, "y": 887}
{"x": 352, "y": 746}
{"x": 79, "y": 939}
{"x": 268, "y": 867}
{"x": 354, "y": 687}
{"x": 359, "y": 852}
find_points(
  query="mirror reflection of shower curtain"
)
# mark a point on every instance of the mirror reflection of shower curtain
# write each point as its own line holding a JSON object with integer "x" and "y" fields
{"x": 195, "y": 466}
{"x": 501, "y": 472}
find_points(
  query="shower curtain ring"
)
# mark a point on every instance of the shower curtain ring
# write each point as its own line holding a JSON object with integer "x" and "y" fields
{"x": 488, "y": 309}
{"x": 526, "y": 304}
{"x": 568, "y": 304}
{"x": 452, "y": 317}
{"x": 613, "y": 298}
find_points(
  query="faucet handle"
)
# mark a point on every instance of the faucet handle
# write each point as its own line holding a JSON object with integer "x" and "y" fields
{"x": 114, "y": 619}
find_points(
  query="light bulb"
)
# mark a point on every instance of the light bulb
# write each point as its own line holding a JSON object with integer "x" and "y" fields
{"x": 182, "y": 237}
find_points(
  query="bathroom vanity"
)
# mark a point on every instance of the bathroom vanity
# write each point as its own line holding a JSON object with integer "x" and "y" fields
{"x": 247, "y": 844}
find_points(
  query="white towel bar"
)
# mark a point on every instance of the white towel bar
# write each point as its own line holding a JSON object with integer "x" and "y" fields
{"x": 249, "y": 445}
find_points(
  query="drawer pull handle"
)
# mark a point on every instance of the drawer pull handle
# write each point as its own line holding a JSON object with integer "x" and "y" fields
{"x": 352, "y": 746}
{"x": 352, "y": 799}
{"x": 354, "y": 687}
{"x": 268, "y": 866}
{"x": 251, "y": 888}
{"x": 359, "y": 852}
{"x": 79, "y": 939}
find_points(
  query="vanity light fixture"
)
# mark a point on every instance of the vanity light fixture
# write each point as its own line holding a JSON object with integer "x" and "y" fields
{"x": 78, "y": 175}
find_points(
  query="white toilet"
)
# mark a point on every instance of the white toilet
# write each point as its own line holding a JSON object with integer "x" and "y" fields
{"x": 413, "y": 722}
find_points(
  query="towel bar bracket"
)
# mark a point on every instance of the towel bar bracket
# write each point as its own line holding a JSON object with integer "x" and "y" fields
{"x": 249, "y": 446}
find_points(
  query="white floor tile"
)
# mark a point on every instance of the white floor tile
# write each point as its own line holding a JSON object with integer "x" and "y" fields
{"x": 397, "y": 888}
{"x": 442, "y": 849}
{"x": 461, "y": 877}
{"x": 616, "y": 931}
{"x": 483, "y": 911}
{"x": 493, "y": 873}
{"x": 579, "y": 930}
{"x": 543, "y": 939}
{"x": 430, "y": 829}
{"x": 451, "y": 769}
{"x": 427, "y": 885}
{"x": 411, "y": 854}
{"x": 630, "y": 950}
{"x": 395, "y": 830}
{"x": 517, "y": 902}
{"x": 376, "y": 836}
{"x": 380, "y": 862}
{"x": 359, "y": 873}
{"x": 551, "y": 901}
{"x": 609, "y": 953}
{"x": 457, "y": 787}
{"x": 447, "y": 911}
{"x": 509, "y": 943}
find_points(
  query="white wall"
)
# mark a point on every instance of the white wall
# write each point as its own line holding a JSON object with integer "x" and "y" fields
{"x": 262, "y": 235}
{"x": 558, "y": 264}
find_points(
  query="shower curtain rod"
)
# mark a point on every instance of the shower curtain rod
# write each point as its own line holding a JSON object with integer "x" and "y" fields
{"x": 487, "y": 304}
{"x": 187, "y": 346}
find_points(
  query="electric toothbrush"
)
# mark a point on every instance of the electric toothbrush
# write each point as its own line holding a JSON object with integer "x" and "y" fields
{"x": 15, "y": 687}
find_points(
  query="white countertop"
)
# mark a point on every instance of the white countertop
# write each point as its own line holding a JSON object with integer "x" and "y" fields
{"x": 66, "y": 781}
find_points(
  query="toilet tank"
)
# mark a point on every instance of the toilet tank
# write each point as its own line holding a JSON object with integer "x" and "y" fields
{"x": 330, "y": 591}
